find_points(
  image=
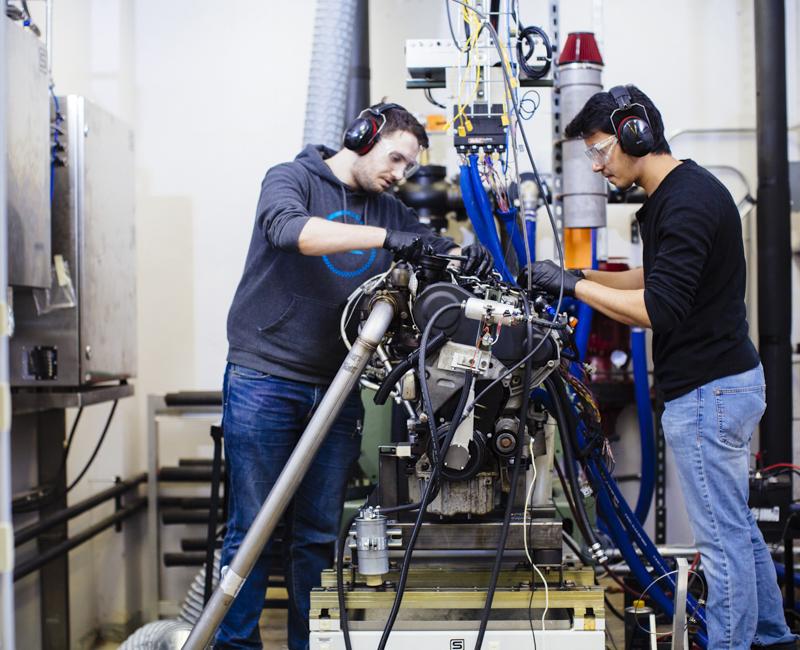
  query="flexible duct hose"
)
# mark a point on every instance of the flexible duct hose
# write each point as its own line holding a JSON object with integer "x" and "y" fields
{"x": 170, "y": 634}
{"x": 334, "y": 23}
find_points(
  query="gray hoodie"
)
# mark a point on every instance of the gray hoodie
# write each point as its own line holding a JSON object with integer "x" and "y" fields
{"x": 284, "y": 319}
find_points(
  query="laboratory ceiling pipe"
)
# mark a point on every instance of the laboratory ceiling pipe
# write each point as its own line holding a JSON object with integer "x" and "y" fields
{"x": 330, "y": 71}
{"x": 358, "y": 83}
{"x": 6, "y": 525}
{"x": 291, "y": 476}
{"x": 774, "y": 255}
{"x": 583, "y": 191}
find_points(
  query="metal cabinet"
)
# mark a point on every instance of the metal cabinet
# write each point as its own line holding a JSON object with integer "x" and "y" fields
{"x": 93, "y": 231}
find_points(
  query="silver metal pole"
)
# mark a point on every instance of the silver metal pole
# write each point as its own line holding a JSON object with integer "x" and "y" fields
{"x": 292, "y": 475}
{"x": 6, "y": 525}
{"x": 680, "y": 640}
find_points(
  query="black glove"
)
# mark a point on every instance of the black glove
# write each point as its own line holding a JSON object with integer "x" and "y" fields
{"x": 547, "y": 276}
{"x": 404, "y": 245}
{"x": 479, "y": 260}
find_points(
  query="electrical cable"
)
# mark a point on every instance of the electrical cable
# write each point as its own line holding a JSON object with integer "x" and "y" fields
{"x": 96, "y": 448}
{"x": 429, "y": 97}
{"x": 340, "y": 544}
{"x": 458, "y": 45}
{"x": 537, "y": 178}
{"x": 564, "y": 429}
{"x": 49, "y": 494}
{"x": 527, "y": 35}
{"x": 437, "y": 461}
{"x": 523, "y": 418}
{"x": 623, "y": 527}
{"x": 525, "y": 541}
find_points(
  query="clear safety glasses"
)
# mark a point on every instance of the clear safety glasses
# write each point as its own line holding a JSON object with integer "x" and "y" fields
{"x": 600, "y": 153}
{"x": 397, "y": 159}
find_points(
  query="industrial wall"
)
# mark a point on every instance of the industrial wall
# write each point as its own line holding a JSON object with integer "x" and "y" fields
{"x": 215, "y": 93}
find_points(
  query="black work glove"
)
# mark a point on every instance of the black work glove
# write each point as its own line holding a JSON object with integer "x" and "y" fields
{"x": 547, "y": 276}
{"x": 403, "y": 245}
{"x": 479, "y": 260}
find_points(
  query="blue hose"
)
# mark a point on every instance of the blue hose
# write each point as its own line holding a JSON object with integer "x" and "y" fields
{"x": 604, "y": 484}
{"x": 530, "y": 227}
{"x": 780, "y": 570}
{"x": 484, "y": 213}
{"x": 645, "y": 413}
{"x": 469, "y": 203}
{"x": 510, "y": 220}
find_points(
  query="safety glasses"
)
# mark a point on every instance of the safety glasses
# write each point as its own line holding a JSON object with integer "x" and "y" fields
{"x": 600, "y": 153}
{"x": 397, "y": 159}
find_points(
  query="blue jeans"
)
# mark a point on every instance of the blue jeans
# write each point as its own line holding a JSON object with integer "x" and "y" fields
{"x": 263, "y": 418}
{"x": 709, "y": 431}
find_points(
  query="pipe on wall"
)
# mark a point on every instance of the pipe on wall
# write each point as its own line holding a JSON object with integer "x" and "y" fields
{"x": 773, "y": 228}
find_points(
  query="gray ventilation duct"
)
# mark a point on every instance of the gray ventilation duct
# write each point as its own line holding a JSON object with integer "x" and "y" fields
{"x": 170, "y": 634}
{"x": 338, "y": 80}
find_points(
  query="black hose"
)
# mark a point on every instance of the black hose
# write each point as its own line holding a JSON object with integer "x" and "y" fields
{"x": 426, "y": 499}
{"x": 436, "y": 461}
{"x": 391, "y": 379}
{"x": 341, "y": 542}
{"x": 523, "y": 418}
{"x": 96, "y": 448}
{"x": 567, "y": 433}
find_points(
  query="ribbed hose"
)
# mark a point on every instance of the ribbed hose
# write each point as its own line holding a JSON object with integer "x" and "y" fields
{"x": 171, "y": 633}
{"x": 159, "y": 635}
{"x": 329, "y": 72}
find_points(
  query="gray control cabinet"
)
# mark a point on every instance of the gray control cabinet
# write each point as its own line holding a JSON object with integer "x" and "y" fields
{"x": 93, "y": 229}
{"x": 28, "y": 157}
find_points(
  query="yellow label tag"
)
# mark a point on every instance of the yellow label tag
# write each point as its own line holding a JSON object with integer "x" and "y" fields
{"x": 61, "y": 271}
{"x": 6, "y": 548}
{"x": 504, "y": 120}
{"x": 462, "y": 132}
{"x": 468, "y": 125}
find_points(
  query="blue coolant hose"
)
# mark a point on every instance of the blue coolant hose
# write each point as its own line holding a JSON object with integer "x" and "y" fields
{"x": 645, "y": 413}
{"x": 485, "y": 214}
{"x": 624, "y": 527}
{"x": 510, "y": 220}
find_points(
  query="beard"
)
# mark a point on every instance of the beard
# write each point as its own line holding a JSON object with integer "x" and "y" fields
{"x": 369, "y": 182}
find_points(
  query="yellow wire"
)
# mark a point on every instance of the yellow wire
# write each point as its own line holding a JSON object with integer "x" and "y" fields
{"x": 471, "y": 45}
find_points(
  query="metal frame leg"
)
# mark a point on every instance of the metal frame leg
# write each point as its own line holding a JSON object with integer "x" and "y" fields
{"x": 211, "y": 536}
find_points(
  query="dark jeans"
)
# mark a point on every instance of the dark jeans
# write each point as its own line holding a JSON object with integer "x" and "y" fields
{"x": 263, "y": 418}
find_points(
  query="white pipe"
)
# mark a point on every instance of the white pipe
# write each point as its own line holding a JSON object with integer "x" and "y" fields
{"x": 6, "y": 525}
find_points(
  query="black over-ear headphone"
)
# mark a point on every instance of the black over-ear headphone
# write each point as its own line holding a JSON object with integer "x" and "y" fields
{"x": 362, "y": 134}
{"x": 631, "y": 125}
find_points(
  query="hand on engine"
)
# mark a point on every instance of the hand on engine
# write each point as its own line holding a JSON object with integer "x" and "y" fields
{"x": 547, "y": 276}
{"x": 405, "y": 246}
{"x": 479, "y": 260}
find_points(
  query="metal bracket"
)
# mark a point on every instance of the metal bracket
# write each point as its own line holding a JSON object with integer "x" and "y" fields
{"x": 680, "y": 630}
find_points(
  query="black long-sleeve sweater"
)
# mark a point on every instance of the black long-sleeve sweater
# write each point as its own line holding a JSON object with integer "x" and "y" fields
{"x": 694, "y": 277}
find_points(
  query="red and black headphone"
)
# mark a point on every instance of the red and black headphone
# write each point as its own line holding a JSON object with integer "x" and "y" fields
{"x": 363, "y": 132}
{"x": 631, "y": 125}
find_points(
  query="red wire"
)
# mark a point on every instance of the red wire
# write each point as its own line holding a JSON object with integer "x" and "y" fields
{"x": 781, "y": 466}
{"x": 695, "y": 562}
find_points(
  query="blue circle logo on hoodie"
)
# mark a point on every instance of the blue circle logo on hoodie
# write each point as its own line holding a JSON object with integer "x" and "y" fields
{"x": 349, "y": 264}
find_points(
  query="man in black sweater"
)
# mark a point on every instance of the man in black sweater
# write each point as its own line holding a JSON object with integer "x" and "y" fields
{"x": 691, "y": 293}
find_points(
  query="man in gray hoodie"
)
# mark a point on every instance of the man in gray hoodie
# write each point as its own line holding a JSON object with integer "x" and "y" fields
{"x": 324, "y": 224}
